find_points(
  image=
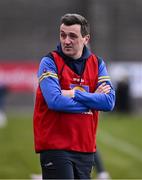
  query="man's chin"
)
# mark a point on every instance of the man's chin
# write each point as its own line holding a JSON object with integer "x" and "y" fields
{"x": 68, "y": 53}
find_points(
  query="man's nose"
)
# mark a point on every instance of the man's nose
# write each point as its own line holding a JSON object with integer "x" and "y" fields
{"x": 67, "y": 40}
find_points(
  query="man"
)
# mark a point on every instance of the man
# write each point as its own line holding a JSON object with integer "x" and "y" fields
{"x": 3, "y": 116}
{"x": 99, "y": 167}
{"x": 73, "y": 86}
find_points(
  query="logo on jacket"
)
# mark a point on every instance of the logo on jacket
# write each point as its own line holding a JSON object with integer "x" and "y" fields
{"x": 83, "y": 88}
{"x": 78, "y": 80}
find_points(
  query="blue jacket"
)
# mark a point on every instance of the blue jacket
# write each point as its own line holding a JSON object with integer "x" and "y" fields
{"x": 82, "y": 101}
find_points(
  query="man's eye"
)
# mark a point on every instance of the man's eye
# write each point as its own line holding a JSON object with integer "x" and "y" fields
{"x": 63, "y": 36}
{"x": 73, "y": 36}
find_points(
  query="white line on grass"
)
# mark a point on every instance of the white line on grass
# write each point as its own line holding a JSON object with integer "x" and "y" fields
{"x": 120, "y": 145}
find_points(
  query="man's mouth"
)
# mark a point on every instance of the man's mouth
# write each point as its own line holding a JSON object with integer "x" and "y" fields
{"x": 68, "y": 47}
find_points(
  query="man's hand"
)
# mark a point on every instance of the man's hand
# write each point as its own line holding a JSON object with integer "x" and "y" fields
{"x": 103, "y": 88}
{"x": 69, "y": 93}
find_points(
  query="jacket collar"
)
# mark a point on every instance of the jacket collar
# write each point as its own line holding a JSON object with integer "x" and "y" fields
{"x": 86, "y": 53}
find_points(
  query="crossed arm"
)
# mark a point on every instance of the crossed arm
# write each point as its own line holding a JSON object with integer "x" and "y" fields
{"x": 102, "y": 99}
{"x": 103, "y": 88}
{"x": 74, "y": 101}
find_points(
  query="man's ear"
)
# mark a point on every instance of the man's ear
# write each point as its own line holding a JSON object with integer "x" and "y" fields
{"x": 87, "y": 38}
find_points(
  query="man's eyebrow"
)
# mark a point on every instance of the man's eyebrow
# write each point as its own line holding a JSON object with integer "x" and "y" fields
{"x": 61, "y": 31}
{"x": 69, "y": 33}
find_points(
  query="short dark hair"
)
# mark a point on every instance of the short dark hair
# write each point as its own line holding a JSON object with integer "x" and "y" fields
{"x": 71, "y": 19}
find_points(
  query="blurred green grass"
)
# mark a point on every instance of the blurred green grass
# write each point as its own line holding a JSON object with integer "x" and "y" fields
{"x": 119, "y": 142}
{"x": 18, "y": 159}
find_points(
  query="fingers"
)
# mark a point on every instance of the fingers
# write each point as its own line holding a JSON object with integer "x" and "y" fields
{"x": 69, "y": 93}
{"x": 103, "y": 88}
{"x": 99, "y": 89}
{"x": 106, "y": 89}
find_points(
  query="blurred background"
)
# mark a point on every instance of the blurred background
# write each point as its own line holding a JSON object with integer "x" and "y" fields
{"x": 29, "y": 29}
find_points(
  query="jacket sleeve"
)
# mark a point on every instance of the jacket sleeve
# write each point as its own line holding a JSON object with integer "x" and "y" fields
{"x": 51, "y": 90}
{"x": 98, "y": 101}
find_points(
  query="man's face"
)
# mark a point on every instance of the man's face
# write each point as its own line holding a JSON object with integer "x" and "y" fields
{"x": 71, "y": 40}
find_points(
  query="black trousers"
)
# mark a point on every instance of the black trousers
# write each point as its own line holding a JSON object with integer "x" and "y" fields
{"x": 59, "y": 164}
